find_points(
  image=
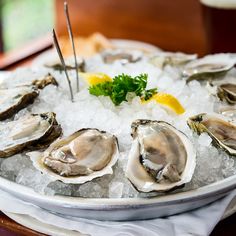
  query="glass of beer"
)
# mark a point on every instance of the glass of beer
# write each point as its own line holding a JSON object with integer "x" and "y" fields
{"x": 219, "y": 17}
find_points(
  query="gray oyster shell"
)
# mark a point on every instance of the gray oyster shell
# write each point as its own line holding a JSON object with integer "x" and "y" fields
{"x": 209, "y": 67}
{"x": 224, "y": 88}
{"x": 227, "y": 92}
{"x": 30, "y": 132}
{"x": 219, "y": 128}
{"x": 14, "y": 99}
{"x": 171, "y": 58}
{"x": 124, "y": 56}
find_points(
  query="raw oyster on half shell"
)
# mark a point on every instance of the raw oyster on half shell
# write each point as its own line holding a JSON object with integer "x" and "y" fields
{"x": 161, "y": 157}
{"x": 29, "y": 132}
{"x": 171, "y": 58}
{"x": 219, "y": 128}
{"x": 124, "y": 56}
{"x": 209, "y": 67}
{"x": 14, "y": 99}
{"x": 227, "y": 92}
{"x": 80, "y": 157}
{"x": 228, "y": 112}
{"x": 224, "y": 88}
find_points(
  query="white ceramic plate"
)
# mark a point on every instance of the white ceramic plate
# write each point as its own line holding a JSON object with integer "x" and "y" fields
{"x": 125, "y": 208}
{"x": 122, "y": 209}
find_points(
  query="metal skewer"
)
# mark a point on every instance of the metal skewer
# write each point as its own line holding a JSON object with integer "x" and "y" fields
{"x": 72, "y": 42}
{"x": 56, "y": 44}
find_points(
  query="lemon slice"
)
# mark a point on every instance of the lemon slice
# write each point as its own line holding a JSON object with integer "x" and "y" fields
{"x": 168, "y": 100}
{"x": 95, "y": 78}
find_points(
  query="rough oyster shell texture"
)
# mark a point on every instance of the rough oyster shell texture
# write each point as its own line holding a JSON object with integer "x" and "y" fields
{"x": 161, "y": 59}
{"x": 209, "y": 67}
{"x": 29, "y": 132}
{"x": 227, "y": 92}
{"x": 17, "y": 98}
{"x": 219, "y": 128}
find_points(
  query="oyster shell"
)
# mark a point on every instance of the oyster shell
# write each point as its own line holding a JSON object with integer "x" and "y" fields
{"x": 17, "y": 98}
{"x": 224, "y": 88}
{"x": 208, "y": 67}
{"x": 171, "y": 58}
{"x": 78, "y": 158}
{"x": 29, "y": 132}
{"x": 228, "y": 112}
{"x": 124, "y": 56}
{"x": 227, "y": 92}
{"x": 161, "y": 157}
{"x": 219, "y": 128}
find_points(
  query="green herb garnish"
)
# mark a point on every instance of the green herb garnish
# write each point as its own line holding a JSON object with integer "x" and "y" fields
{"x": 121, "y": 85}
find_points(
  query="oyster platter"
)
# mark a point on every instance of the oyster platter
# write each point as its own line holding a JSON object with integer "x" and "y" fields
{"x": 137, "y": 130}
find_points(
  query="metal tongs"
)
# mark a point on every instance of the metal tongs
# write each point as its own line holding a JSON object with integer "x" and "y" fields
{"x": 57, "y": 46}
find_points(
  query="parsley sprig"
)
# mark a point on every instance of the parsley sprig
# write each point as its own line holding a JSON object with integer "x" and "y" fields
{"x": 121, "y": 85}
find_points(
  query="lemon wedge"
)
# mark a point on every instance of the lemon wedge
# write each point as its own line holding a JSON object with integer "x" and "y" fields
{"x": 168, "y": 100}
{"x": 94, "y": 78}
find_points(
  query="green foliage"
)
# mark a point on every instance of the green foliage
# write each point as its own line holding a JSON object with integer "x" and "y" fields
{"x": 104, "y": 89}
{"x": 149, "y": 93}
{"x": 24, "y": 20}
{"x": 121, "y": 86}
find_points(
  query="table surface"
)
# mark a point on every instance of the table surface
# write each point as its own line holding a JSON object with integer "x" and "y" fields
{"x": 8, "y": 227}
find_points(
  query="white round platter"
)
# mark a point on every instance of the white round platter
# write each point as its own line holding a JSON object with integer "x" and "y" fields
{"x": 123, "y": 208}
{"x": 120, "y": 209}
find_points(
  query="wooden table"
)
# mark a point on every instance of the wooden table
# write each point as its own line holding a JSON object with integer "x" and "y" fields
{"x": 8, "y": 227}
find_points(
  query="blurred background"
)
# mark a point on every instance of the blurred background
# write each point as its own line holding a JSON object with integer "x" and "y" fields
{"x": 172, "y": 25}
{"x": 25, "y": 20}
{"x": 26, "y": 25}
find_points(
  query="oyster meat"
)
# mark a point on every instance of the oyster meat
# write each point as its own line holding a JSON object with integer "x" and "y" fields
{"x": 80, "y": 157}
{"x": 171, "y": 58}
{"x": 208, "y": 67}
{"x": 16, "y": 98}
{"x": 161, "y": 157}
{"x": 220, "y": 129}
{"x": 124, "y": 56}
{"x": 29, "y": 132}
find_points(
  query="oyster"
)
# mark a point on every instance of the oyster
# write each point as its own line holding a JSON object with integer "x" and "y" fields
{"x": 228, "y": 112}
{"x": 78, "y": 158}
{"x": 170, "y": 58}
{"x": 208, "y": 67}
{"x": 219, "y": 128}
{"x": 29, "y": 132}
{"x": 161, "y": 157}
{"x": 227, "y": 92}
{"x": 124, "y": 56}
{"x": 17, "y": 98}
{"x": 56, "y": 65}
{"x": 224, "y": 88}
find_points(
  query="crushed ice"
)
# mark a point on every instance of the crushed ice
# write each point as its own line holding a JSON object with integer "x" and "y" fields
{"x": 99, "y": 112}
